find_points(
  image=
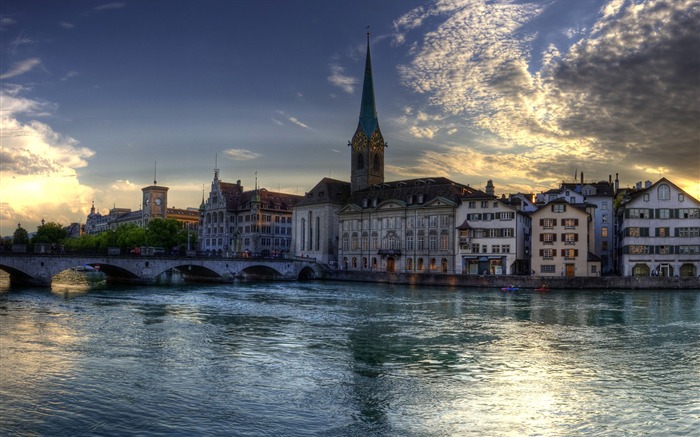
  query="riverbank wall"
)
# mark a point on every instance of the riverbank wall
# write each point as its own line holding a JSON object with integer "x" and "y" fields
{"x": 524, "y": 282}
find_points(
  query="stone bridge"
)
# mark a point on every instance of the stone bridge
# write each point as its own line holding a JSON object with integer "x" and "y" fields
{"x": 39, "y": 269}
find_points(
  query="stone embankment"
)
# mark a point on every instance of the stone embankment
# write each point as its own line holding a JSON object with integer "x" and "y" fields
{"x": 524, "y": 282}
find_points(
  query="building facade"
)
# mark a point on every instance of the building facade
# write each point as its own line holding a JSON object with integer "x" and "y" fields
{"x": 494, "y": 237}
{"x": 659, "y": 232}
{"x": 236, "y": 222}
{"x": 562, "y": 238}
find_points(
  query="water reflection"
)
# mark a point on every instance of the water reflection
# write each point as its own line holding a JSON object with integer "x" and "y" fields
{"x": 348, "y": 359}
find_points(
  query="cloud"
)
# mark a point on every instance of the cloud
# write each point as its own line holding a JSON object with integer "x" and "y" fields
{"x": 19, "y": 68}
{"x": 124, "y": 185}
{"x": 69, "y": 75}
{"x": 5, "y": 22}
{"x": 107, "y": 6}
{"x": 66, "y": 25}
{"x": 624, "y": 91}
{"x": 241, "y": 154}
{"x": 38, "y": 165}
{"x": 290, "y": 119}
{"x": 339, "y": 79}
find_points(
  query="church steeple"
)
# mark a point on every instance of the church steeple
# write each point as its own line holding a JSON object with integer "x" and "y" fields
{"x": 368, "y": 109}
{"x": 367, "y": 166}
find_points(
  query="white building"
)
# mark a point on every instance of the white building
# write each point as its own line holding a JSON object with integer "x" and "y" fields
{"x": 659, "y": 232}
{"x": 494, "y": 237}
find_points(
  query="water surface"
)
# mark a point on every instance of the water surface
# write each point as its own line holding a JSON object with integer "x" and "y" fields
{"x": 341, "y": 359}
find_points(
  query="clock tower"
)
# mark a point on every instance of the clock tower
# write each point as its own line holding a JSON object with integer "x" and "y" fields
{"x": 155, "y": 202}
{"x": 367, "y": 167}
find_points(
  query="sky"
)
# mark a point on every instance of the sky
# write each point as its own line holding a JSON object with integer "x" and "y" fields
{"x": 98, "y": 99}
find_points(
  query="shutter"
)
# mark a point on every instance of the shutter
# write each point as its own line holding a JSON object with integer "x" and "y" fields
{"x": 575, "y": 222}
{"x": 541, "y": 222}
{"x": 575, "y": 252}
{"x": 541, "y": 252}
{"x": 554, "y": 222}
{"x": 575, "y": 237}
{"x": 554, "y": 237}
{"x": 541, "y": 237}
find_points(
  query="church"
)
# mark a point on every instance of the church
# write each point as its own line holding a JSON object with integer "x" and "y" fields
{"x": 370, "y": 224}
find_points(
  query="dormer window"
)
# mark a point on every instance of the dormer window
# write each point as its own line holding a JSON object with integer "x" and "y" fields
{"x": 664, "y": 192}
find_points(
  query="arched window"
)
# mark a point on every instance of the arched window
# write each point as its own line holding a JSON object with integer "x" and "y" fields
{"x": 354, "y": 262}
{"x": 640, "y": 270}
{"x": 409, "y": 264}
{"x": 420, "y": 264}
{"x": 443, "y": 265}
{"x": 664, "y": 192}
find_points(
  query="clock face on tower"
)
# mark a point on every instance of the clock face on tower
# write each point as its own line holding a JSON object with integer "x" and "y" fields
{"x": 158, "y": 201}
{"x": 359, "y": 142}
{"x": 376, "y": 142}
{"x": 146, "y": 199}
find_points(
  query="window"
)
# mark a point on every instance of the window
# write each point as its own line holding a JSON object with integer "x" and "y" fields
{"x": 409, "y": 264}
{"x": 686, "y": 249}
{"x": 433, "y": 221}
{"x": 559, "y": 207}
{"x": 641, "y": 213}
{"x": 548, "y": 238}
{"x": 421, "y": 242}
{"x": 638, "y": 249}
{"x": 353, "y": 244}
{"x": 475, "y": 248}
{"x": 664, "y": 192}
{"x": 689, "y": 213}
{"x": 548, "y": 223}
{"x": 505, "y": 248}
{"x": 687, "y": 232}
{"x": 346, "y": 242}
{"x": 570, "y": 253}
{"x": 605, "y": 205}
{"x": 664, "y": 213}
{"x": 472, "y": 204}
{"x": 484, "y": 204}
{"x": 484, "y": 248}
{"x": 570, "y": 223}
{"x": 663, "y": 232}
{"x": 681, "y": 197}
{"x": 496, "y": 248}
{"x": 570, "y": 239}
{"x": 409, "y": 242}
{"x": 547, "y": 268}
{"x": 604, "y": 218}
{"x": 420, "y": 265}
{"x": 664, "y": 250}
{"x": 444, "y": 242}
{"x": 604, "y": 232}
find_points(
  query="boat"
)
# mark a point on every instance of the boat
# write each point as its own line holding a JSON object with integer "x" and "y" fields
{"x": 542, "y": 288}
{"x": 511, "y": 288}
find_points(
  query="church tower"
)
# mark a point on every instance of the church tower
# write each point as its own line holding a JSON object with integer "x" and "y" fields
{"x": 367, "y": 143}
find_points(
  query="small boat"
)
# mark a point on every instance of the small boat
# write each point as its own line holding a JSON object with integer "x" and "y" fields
{"x": 512, "y": 288}
{"x": 542, "y": 289}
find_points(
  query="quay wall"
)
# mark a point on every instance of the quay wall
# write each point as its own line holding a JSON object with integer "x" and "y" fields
{"x": 525, "y": 282}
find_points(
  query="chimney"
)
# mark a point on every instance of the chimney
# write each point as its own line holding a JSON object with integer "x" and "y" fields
{"x": 617, "y": 183}
{"x": 647, "y": 184}
{"x": 581, "y": 178}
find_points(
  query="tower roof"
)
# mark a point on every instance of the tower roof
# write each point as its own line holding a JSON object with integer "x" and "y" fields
{"x": 368, "y": 109}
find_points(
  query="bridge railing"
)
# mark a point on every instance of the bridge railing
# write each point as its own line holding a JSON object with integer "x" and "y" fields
{"x": 32, "y": 250}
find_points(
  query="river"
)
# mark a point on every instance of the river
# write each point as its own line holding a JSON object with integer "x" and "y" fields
{"x": 347, "y": 359}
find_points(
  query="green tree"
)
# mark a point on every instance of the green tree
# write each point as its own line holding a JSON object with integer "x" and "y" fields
{"x": 50, "y": 232}
{"x": 167, "y": 233}
{"x": 130, "y": 235}
{"x": 21, "y": 236}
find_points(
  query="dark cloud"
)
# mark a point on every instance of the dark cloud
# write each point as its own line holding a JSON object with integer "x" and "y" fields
{"x": 637, "y": 88}
{"x": 24, "y": 162}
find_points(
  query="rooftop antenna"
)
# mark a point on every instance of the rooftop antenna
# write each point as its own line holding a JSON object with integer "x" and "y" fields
{"x": 155, "y": 170}
{"x": 256, "y": 180}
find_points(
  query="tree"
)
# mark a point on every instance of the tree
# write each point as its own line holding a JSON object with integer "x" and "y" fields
{"x": 51, "y": 233}
{"x": 167, "y": 233}
{"x": 21, "y": 236}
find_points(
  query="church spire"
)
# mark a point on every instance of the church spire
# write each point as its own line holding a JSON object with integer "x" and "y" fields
{"x": 367, "y": 165}
{"x": 368, "y": 109}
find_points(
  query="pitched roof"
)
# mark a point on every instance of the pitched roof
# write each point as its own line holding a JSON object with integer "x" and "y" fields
{"x": 430, "y": 188}
{"x": 327, "y": 191}
{"x": 368, "y": 109}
